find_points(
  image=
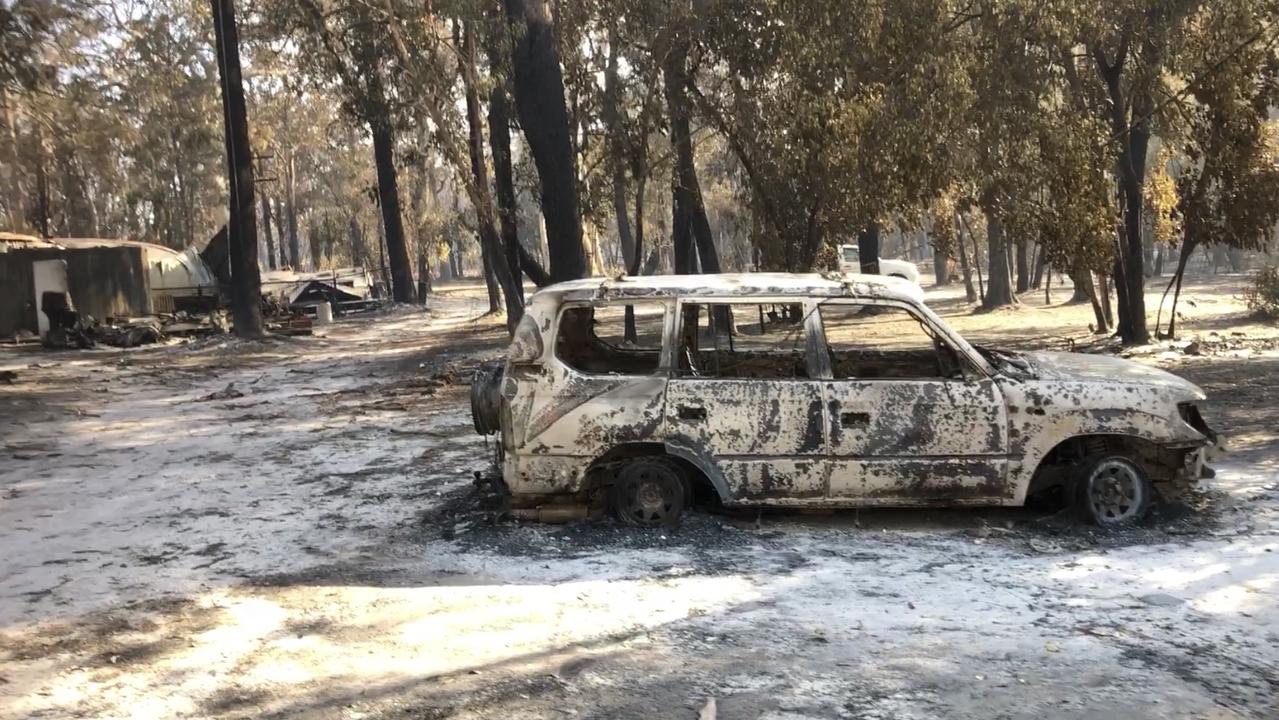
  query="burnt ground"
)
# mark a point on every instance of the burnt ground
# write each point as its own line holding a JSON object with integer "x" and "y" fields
{"x": 311, "y": 545}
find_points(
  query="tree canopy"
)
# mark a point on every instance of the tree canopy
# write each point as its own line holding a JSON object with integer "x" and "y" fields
{"x": 549, "y": 140}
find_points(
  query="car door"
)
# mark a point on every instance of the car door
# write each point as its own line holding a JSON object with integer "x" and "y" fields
{"x": 911, "y": 420}
{"x": 743, "y": 400}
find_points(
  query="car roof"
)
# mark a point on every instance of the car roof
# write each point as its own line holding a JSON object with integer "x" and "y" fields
{"x": 764, "y": 284}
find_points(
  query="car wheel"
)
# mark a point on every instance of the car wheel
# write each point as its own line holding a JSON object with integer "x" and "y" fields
{"x": 1113, "y": 491}
{"x": 898, "y": 275}
{"x": 649, "y": 492}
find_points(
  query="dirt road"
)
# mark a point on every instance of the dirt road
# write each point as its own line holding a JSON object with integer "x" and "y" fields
{"x": 286, "y": 528}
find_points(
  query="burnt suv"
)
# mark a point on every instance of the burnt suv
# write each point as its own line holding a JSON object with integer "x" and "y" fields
{"x": 809, "y": 391}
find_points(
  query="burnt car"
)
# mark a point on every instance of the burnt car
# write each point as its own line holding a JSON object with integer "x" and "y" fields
{"x": 791, "y": 390}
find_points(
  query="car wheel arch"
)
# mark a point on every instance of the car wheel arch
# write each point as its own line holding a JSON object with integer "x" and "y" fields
{"x": 1054, "y": 467}
{"x": 699, "y": 469}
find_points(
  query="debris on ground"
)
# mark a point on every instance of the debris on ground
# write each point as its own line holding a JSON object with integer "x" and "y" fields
{"x": 1161, "y": 600}
{"x": 227, "y": 393}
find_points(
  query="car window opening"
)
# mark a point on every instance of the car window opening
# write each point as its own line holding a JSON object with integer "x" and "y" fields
{"x": 742, "y": 340}
{"x": 601, "y": 340}
{"x": 884, "y": 342}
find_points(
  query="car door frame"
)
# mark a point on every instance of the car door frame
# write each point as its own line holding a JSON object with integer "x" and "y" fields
{"x": 907, "y": 479}
{"x": 748, "y": 479}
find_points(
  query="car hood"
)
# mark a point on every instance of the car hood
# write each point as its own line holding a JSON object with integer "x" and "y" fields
{"x": 1082, "y": 367}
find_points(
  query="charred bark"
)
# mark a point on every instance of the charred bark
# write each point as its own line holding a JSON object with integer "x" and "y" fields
{"x": 539, "y": 102}
{"x": 941, "y": 269}
{"x": 291, "y": 209}
{"x": 388, "y": 190}
{"x": 495, "y": 259}
{"x": 503, "y": 173}
{"x": 611, "y": 113}
{"x": 1134, "y": 141}
{"x": 266, "y": 230}
{"x": 686, "y": 188}
{"x": 246, "y": 281}
{"x": 1023, "y": 266}
{"x": 999, "y": 291}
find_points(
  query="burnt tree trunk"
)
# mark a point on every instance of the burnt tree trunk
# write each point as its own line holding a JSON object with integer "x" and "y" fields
{"x": 999, "y": 291}
{"x": 636, "y": 266}
{"x": 355, "y": 238}
{"x": 970, "y": 293}
{"x": 495, "y": 260}
{"x": 612, "y": 116}
{"x": 1134, "y": 140}
{"x": 539, "y": 102}
{"x": 291, "y": 209}
{"x": 503, "y": 172}
{"x": 687, "y": 189}
{"x": 1023, "y": 266}
{"x": 1041, "y": 262}
{"x": 976, "y": 264}
{"x": 266, "y": 230}
{"x": 1085, "y": 283}
{"x": 1187, "y": 248}
{"x": 242, "y": 238}
{"x": 282, "y": 232}
{"x": 941, "y": 269}
{"x": 388, "y": 191}
{"x": 490, "y": 275}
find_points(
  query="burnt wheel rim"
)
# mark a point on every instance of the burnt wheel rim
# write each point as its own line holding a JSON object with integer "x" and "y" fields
{"x": 650, "y": 494}
{"x": 1115, "y": 492}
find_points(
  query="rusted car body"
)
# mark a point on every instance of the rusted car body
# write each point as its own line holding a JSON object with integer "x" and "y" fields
{"x": 789, "y": 390}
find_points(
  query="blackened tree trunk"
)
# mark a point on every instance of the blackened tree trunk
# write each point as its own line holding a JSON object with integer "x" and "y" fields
{"x": 636, "y": 267}
{"x": 1181, "y": 273}
{"x": 1023, "y": 266}
{"x": 423, "y": 277}
{"x": 266, "y": 230}
{"x": 687, "y": 189}
{"x": 970, "y": 294}
{"x": 246, "y": 281}
{"x": 941, "y": 271}
{"x": 388, "y": 191}
{"x": 1084, "y": 283}
{"x": 490, "y": 241}
{"x": 1041, "y": 260}
{"x": 1132, "y": 126}
{"x": 685, "y": 252}
{"x": 355, "y": 238}
{"x": 504, "y": 173}
{"x": 999, "y": 291}
{"x": 490, "y": 275}
{"x": 291, "y": 208}
{"x": 539, "y": 102}
{"x": 612, "y": 116}
{"x": 41, "y": 214}
{"x": 282, "y": 231}
{"x": 868, "y": 248}
{"x": 1121, "y": 293}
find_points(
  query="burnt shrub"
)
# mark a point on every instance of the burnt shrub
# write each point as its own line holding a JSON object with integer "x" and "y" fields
{"x": 1262, "y": 295}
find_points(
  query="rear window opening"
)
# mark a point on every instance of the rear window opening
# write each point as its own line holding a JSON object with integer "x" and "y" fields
{"x": 601, "y": 340}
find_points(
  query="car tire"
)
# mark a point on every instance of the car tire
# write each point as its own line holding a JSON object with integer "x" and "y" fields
{"x": 649, "y": 492}
{"x": 1112, "y": 491}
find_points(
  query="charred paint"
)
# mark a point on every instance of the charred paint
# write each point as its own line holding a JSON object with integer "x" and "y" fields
{"x": 823, "y": 441}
